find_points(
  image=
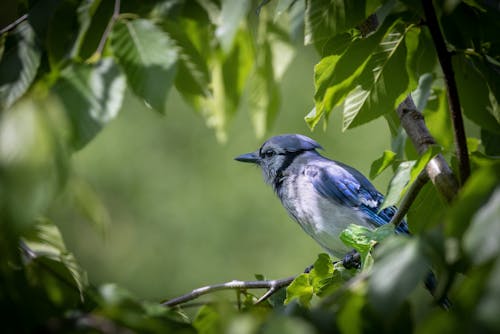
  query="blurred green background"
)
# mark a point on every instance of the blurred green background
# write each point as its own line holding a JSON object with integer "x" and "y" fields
{"x": 185, "y": 214}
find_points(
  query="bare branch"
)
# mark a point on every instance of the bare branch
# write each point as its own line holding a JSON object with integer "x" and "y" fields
{"x": 271, "y": 285}
{"x": 409, "y": 198}
{"x": 14, "y": 24}
{"x": 437, "y": 169}
{"x": 114, "y": 17}
{"x": 444, "y": 57}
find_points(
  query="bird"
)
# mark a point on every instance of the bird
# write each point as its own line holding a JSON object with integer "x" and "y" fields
{"x": 324, "y": 196}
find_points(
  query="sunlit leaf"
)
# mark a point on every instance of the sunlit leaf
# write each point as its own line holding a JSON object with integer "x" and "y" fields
{"x": 379, "y": 165}
{"x": 300, "y": 289}
{"x": 436, "y": 115}
{"x": 327, "y": 18}
{"x": 429, "y": 202}
{"x": 92, "y": 96}
{"x": 19, "y": 64}
{"x": 148, "y": 57}
{"x": 232, "y": 14}
{"x": 45, "y": 241}
{"x": 381, "y": 86}
{"x": 399, "y": 267}
{"x": 398, "y": 183}
{"x": 336, "y": 76}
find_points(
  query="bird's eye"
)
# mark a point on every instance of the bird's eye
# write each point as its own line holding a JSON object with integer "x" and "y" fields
{"x": 269, "y": 153}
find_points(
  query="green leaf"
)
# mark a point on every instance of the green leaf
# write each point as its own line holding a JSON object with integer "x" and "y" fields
{"x": 491, "y": 142}
{"x": 398, "y": 183}
{"x": 19, "y": 64}
{"x": 363, "y": 238}
{"x": 321, "y": 273}
{"x": 481, "y": 239}
{"x": 45, "y": 242}
{"x": 478, "y": 103}
{"x": 421, "y": 58}
{"x": 232, "y": 14}
{"x": 148, "y": 57}
{"x": 61, "y": 33}
{"x": 399, "y": 267}
{"x": 300, "y": 289}
{"x": 378, "y": 166}
{"x": 327, "y": 18}
{"x": 382, "y": 85}
{"x": 93, "y": 18}
{"x": 92, "y": 96}
{"x": 436, "y": 115}
{"x": 192, "y": 77}
{"x": 427, "y": 210}
{"x": 336, "y": 76}
{"x": 350, "y": 317}
{"x": 472, "y": 196}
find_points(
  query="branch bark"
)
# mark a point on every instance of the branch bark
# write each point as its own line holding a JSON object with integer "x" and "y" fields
{"x": 444, "y": 57}
{"x": 271, "y": 285}
{"x": 437, "y": 169}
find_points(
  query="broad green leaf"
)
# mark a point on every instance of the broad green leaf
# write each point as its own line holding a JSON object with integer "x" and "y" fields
{"x": 19, "y": 64}
{"x": 45, "y": 242}
{"x": 350, "y": 316}
{"x": 472, "y": 196}
{"x": 421, "y": 56}
{"x": 286, "y": 324}
{"x": 93, "y": 18}
{"x": 427, "y": 210}
{"x": 490, "y": 141}
{"x": 382, "y": 85}
{"x": 61, "y": 33}
{"x": 33, "y": 160}
{"x": 92, "y": 96}
{"x": 192, "y": 76}
{"x": 327, "y": 18}
{"x": 489, "y": 304}
{"x": 437, "y": 119}
{"x": 232, "y": 14}
{"x": 481, "y": 239}
{"x": 321, "y": 273}
{"x": 378, "y": 166}
{"x": 399, "y": 267}
{"x": 336, "y": 76}
{"x": 148, "y": 57}
{"x": 423, "y": 92}
{"x": 398, "y": 183}
{"x": 300, "y": 289}
{"x": 478, "y": 103}
{"x": 363, "y": 238}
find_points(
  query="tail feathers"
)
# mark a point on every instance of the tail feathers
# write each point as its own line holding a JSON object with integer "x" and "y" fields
{"x": 431, "y": 285}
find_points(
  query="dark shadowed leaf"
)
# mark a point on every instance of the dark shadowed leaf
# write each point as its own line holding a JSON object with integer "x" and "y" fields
{"x": 398, "y": 183}
{"x": 481, "y": 239}
{"x": 19, "y": 64}
{"x": 44, "y": 246}
{"x": 148, "y": 57}
{"x": 92, "y": 96}
{"x": 398, "y": 268}
{"x": 378, "y": 166}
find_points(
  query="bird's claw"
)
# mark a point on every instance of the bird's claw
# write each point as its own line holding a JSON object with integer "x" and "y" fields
{"x": 352, "y": 260}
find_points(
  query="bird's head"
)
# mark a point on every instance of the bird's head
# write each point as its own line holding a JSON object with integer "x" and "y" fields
{"x": 277, "y": 153}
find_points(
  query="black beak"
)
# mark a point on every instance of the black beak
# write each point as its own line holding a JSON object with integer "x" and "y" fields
{"x": 248, "y": 157}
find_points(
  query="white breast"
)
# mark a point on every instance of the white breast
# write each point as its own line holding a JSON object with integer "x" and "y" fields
{"x": 321, "y": 218}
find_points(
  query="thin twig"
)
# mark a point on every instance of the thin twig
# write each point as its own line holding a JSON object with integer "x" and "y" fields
{"x": 114, "y": 17}
{"x": 438, "y": 169}
{"x": 271, "y": 285}
{"x": 444, "y": 57}
{"x": 13, "y": 24}
{"x": 410, "y": 197}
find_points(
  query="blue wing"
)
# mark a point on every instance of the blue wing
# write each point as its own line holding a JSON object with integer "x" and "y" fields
{"x": 348, "y": 187}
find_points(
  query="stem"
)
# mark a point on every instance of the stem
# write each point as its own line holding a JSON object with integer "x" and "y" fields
{"x": 114, "y": 17}
{"x": 437, "y": 169}
{"x": 271, "y": 285}
{"x": 13, "y": 24}
{"x": 409, "y": 198}
{"x": 444, "y": 57}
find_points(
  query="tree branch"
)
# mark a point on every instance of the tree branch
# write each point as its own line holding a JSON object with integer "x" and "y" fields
{"x": 409, "y": 198}
{"x": 444, "y": 57}
{"x": 437, "y": 169}
{"x": 271, "y": 285}
{"x": 14, "y": 24}
{"x": 114, "y": 17}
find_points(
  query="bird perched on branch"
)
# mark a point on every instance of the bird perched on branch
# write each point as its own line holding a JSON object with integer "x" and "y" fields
{"x": 322, "y": 195}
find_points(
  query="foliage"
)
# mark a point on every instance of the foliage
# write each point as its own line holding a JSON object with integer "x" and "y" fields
{"x": 64, "y": 70}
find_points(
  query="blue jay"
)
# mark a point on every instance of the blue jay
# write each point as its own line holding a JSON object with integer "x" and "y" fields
{"x": 322, "y": 195}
